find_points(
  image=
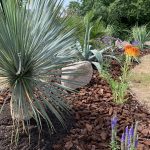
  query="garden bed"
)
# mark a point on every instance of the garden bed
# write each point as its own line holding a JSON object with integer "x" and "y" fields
{"x": 37, "y": 142}
{"x": 93, "y": 112}
{"x": 38, "y": 41}
{"x": 93, "y": 109}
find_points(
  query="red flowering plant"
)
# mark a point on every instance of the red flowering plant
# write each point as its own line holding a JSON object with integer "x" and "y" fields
{"x": 120, "y": 87}
{"x": 131, "y": 52}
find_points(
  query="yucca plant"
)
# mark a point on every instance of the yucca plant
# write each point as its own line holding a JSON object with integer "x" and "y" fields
{"x": 34, "y": 45}
{"x": 141, "y": 35}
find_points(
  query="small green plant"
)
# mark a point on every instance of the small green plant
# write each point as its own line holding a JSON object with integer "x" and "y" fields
{"x": 141, "y": 35}
{"x": 129, "y": 139}
{"x": 119, "y": 88}
{"x": 125, "y": 69}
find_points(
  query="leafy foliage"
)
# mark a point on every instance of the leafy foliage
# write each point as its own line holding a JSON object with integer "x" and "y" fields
{"x": 121, "y": 14}
{"x": 74, "y": 7}
{"x": 119, "y": 88}
{"x": 79, "y": 23}
{"x": 33, "y": 46}
{"x": 130, "y": 12}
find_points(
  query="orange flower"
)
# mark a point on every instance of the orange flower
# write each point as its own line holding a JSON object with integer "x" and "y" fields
{"x": 132, "y": 51}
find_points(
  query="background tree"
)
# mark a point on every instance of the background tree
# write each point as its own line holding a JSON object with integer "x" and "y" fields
{"x": 120, "y": 14}
{"x": 74, "y": 7}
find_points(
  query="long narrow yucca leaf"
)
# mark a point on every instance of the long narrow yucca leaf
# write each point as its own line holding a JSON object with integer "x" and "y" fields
{"x": 34, "y": 43}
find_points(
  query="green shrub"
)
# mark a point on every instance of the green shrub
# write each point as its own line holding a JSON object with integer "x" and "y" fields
{"x": 77, "y": 22}
{"x": 119, "y": 13}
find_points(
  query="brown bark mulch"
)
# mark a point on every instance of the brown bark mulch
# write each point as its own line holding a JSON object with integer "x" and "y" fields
{"x": 93, "y": 108}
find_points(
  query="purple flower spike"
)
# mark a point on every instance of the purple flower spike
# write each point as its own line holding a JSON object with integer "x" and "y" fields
{"x": 136, "y": 144}
{"x": 131, "y": 132}
{"x": 127, "y": 131}
{"x": 135, "y": 43}
{"x": 123, "y": 138}
{"x": 113, "y": 122}
{"x": 129, "y": 140}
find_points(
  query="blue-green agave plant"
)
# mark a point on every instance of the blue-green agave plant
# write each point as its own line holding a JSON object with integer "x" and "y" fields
{"x": 95, "y": 56}
{"x": 34, "y": 45}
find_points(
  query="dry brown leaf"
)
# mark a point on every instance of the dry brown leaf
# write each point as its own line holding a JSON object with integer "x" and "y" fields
{"x": 145, "y": 132}
{"x": 103, "y": 135}
{"x": 147, "y": 142}
{"x": 93, "y": 147}
{"x": 89, "y": 127}
{"x": 110, "y": 111}
{"x": 68, "y": 145}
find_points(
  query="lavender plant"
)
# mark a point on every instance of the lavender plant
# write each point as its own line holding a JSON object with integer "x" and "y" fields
{"x": 129, "y": 139}
{"x": 135, "y": 43}
{"x": 114, "y": 145}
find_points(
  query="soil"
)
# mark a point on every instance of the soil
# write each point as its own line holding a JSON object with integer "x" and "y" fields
{"x": 93, "y": 108}
{"x": 43, "y": 141}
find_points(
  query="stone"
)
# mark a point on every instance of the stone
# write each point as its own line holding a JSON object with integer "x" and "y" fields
{"x": 80, "y": 73}
{"x": 120, "y": 44}
{"x": 89, "y": 127}
{"x": 147, "y": 43}
{"x": 68, "y": 145}
{"x": 124, "y": 43}
{"x": 4, "y": 85}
